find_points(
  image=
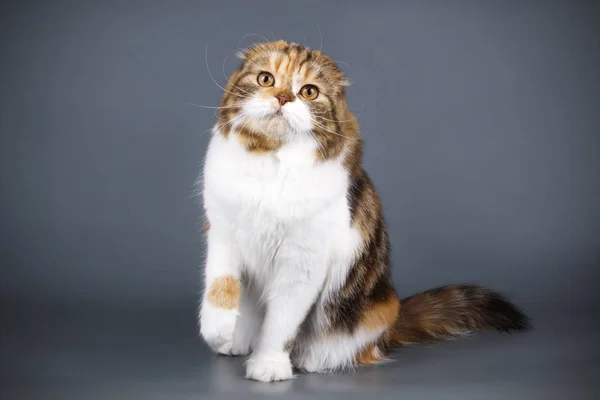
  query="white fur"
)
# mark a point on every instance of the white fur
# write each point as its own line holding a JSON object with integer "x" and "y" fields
{"x": 247, "y": 328}
{"x": 281, "y": 220}
{"x": 218, "y": 327}
{"x": 296, "y": 113}
{"x": 269, "y": 366}
{"x": 219, "y": 324}
{"x": 335, "y": 352}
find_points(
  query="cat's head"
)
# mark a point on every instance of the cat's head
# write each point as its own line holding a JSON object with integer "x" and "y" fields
{"x": 282, "y": 90}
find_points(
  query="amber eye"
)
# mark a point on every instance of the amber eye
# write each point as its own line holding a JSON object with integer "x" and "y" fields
{"x": 265, "y": 79}
{"x": 309, "y": 92}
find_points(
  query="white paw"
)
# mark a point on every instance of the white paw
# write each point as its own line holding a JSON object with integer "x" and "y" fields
{"x": 217, "y": 326}
{"x": 269, "y": 367}
{"x": 239, "y": 347}
{"x": 311, "y": 364}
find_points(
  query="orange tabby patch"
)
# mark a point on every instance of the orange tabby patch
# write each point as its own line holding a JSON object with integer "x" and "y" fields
{"x": 206, "y": 226}
{"x": 381, "y": 315}
{"x": 225, "y": 292}
{"x": 256, "y": 142}
{"x": 368, "y": 355}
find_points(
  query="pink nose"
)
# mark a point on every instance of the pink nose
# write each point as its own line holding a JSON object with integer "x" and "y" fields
{"x": 282, "y": 100}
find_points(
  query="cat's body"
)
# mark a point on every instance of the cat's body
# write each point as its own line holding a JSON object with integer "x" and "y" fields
{"x": 290, "y": 223}
{"x": 298, "y": 269}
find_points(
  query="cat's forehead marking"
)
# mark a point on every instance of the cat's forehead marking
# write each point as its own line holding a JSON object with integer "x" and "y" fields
{"x": 284, "y": 63}
{"x": 293, "y": 65}
{"x": 294, "y": 61}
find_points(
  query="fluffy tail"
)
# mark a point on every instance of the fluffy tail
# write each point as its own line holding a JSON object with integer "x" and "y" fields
{"x": 452, "y": 311}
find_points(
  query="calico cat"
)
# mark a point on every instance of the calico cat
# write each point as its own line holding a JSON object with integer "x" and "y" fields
{"x": 298, "y": 263}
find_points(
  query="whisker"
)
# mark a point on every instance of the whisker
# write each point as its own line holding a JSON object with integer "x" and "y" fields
{"x": 252, "y": 34}
{"x": 320, "y": 34}
{"x": 214, "y": 80}
{"x": 233, "y": 120}
{"x": 330, "y": 131}
{"x": 333, "y": 120}
{"x": 343, "y": 120}
{"x": 262, "y": 114}
{"x": 325, "y": 128}
{"x": 219, "y": 126}
{"x": 341, "y": 62}
{"x": 326, "y": 111}
{"x": 211, "y": 107}
{"x": 228, "y": 81}
{"x": 251, "y": 132}
{"x": 318, "y": 144}
{"x": 334, "y": 62}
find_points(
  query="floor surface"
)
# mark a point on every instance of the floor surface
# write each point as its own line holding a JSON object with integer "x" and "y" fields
{"x": 128, "y": 354}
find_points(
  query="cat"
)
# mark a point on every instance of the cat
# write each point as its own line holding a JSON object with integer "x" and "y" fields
{"x": 297, "y": 272}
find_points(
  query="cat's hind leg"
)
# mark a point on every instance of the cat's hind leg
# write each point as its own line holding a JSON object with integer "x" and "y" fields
{"x": 341, "y": 349}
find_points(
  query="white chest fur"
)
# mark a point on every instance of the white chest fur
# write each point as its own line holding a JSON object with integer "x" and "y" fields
{"x": 282, "y": 220}
{"x": 275, "y": 206}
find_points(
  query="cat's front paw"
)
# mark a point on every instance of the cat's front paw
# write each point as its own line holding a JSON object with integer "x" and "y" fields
{"x": 269, "y": 367}
{"x": 239, "y": 347}
{"x": 217, "y": 326}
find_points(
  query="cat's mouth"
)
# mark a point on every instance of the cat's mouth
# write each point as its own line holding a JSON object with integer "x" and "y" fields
{"x": 272, "y": 123}
{"x": 277, "y": 117}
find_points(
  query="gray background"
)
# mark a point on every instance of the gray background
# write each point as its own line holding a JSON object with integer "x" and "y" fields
{"x": 482, "y": 129}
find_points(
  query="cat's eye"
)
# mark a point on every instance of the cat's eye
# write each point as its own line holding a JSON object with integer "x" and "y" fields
{"x": 309, "y": 92}
{"x": 265, "y": 79}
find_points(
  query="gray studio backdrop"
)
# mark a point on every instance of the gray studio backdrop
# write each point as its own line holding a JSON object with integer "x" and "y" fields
{"x": 482, "y": 129}
{"x": 480, "y": 118}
